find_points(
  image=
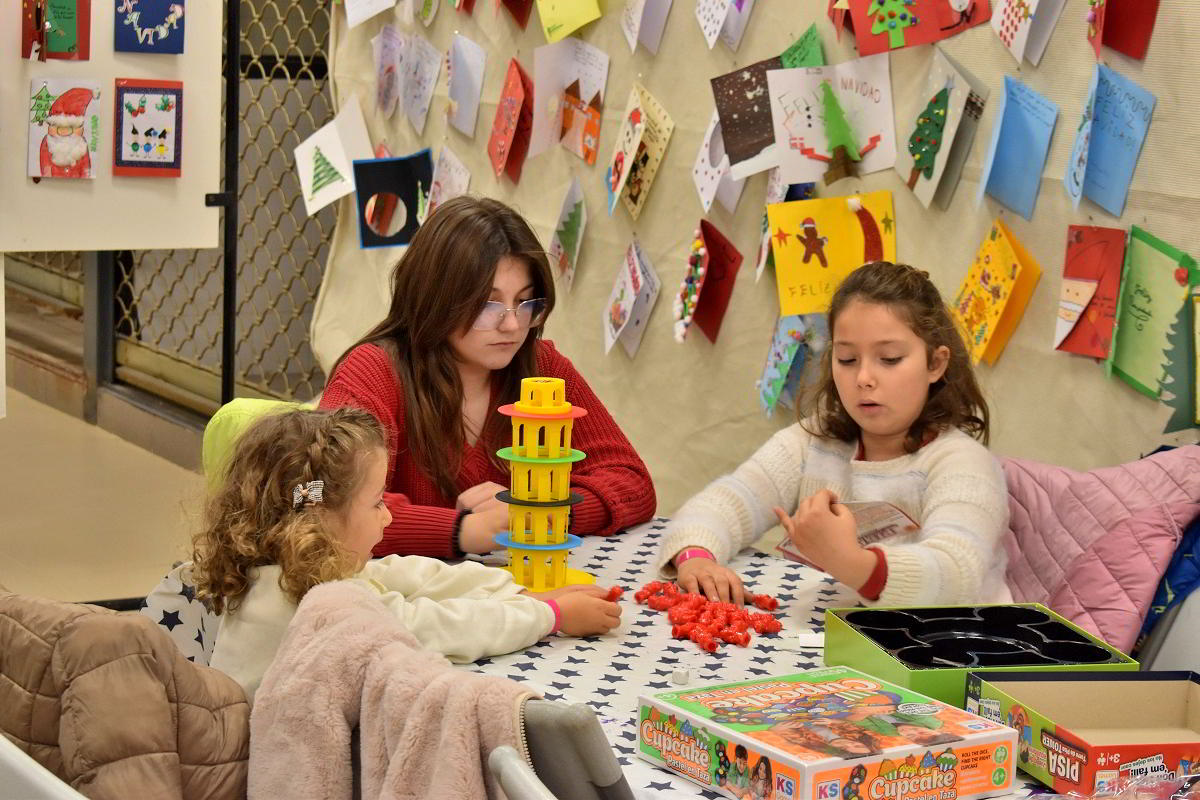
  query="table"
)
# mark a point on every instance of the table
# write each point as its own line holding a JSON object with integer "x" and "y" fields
{"x": 609, "y": 672}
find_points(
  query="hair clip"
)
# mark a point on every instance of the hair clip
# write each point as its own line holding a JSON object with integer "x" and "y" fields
{"x": 307, "y": 494}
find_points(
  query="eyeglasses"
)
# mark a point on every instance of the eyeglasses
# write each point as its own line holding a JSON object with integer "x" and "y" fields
{"x": 528, "y": 314}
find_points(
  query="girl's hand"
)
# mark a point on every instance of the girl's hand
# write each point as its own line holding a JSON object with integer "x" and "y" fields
{"x": 825, "y": 531}
{"x": 478, "y": 495}
{"x": 705, "y": 576}
{"x": 554, "y": 594}
{"x": 585, "y": 612}
{"x": 479, "y": 529}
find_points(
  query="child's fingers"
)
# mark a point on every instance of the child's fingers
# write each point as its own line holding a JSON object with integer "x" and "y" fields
{"x": 708, "y": 587}
{"x": 784, "y": 519}
{"x": 736, "y": 589}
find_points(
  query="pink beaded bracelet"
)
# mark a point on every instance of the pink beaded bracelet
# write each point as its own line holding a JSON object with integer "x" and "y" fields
{"x": 693, "y": 552}
{"x": 557, "y": 616}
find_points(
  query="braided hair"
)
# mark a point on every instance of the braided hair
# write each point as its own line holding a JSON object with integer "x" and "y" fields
{"x": 251, "y": 519}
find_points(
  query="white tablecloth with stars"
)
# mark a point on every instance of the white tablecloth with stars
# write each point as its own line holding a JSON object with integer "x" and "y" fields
{"x": 609, "y": 672}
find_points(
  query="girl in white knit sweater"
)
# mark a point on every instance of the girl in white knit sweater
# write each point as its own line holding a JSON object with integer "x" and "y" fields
{"x": 896, "y": 417}
{"x": 301, "y": 504}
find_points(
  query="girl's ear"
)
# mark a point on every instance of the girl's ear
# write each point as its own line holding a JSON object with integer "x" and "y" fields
{"x": 938, "y": 361}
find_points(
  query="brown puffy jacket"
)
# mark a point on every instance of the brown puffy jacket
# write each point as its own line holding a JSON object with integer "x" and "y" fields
{"x": 107, "y": 703}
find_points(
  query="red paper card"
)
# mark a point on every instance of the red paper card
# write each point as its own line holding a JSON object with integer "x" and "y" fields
{"x": 905, "y": 23}
{"x": 513, "y": 124}
{"x": 520, "y": 9}
{"x": 1123, "y": 25}
{"x": 704, "y": 294}
{"x": 1094, "y": 254}
{"x": 69, "y": 37}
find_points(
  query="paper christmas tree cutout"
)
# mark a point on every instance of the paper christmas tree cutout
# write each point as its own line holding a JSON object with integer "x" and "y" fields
{"x": 842, "y": 147}
{"x": 40, "y": 105}
{"x": 1178, "y": 385}
{"x": 324, "y": 173}
{"x": 926, "y": 140}
{"x": 571, "y": 229}
{"x": 892, "y": 17}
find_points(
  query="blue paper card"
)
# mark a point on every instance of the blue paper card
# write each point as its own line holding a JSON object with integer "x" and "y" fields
{"x": 797, "y": 338}
{"x": 1113, "y": 128}
{"x": 148, "y": 26}
{"x": 1012, "y": 171}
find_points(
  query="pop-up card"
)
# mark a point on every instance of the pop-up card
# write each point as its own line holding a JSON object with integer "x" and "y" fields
{"x": 1012, "y": 169}
{"x": 1087, "y": 304}
{"x": 148, "y": 26}
{"x": 993, "y": 295}
{"x": 64, "y": 128}
{"x": 711, "y": 172}
{"x": 58, "y": 29}
{"x": 833, "y": 121}
{"x": 1025, "y": 26}
{"x": 408, "y": 180}
{"x": 450, "y": 178}
{"x": 817, "y": 243}
{"x": 568, "y": 234}
{"x": 643, "y": 21}
{"x": 422, "y": 63}
{"x": 568, "y": 89}
{"x": 798, "y": 338}
{"x": 777, "y": 192}
{"x": 1123, "y": 25}
{"x": 511, "y": 129}
{"x": 882, "y": 25}
{"x": 148, "y": 140}
{"x": 464, "y": 72}
{"x": 641, "y": 144}
{"x": 945, "y": 120}
{"x": 631, "y": 301}
{"x": 1157, "y": 280}
{"x": 707, "y": 285}
{"x": 325, "y": 160}
{"x": 1109, "y": 140}
{"x": 563, "y": 17}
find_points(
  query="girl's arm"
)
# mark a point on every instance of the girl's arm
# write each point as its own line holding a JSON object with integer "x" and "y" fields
{"x": 365, "y": 379}
{"x": 734, "y": 510}
{"x": 615, "y": 484}
{"x": 959, "y": 557}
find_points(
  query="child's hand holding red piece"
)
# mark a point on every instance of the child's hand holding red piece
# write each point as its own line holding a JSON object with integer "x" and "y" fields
{"x": 824, "y": 530}
{"x": 585, "y": 609}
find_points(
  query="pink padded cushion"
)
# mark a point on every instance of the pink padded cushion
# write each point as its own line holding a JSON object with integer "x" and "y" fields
{"x": 1093, "y": 545}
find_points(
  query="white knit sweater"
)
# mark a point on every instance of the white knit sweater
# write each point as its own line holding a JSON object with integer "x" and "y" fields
{"x": 953, "y": 486}
{"x": 463, "y": 611}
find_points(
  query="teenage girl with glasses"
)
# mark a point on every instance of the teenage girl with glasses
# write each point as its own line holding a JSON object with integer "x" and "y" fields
{"x": 470, "y": 297}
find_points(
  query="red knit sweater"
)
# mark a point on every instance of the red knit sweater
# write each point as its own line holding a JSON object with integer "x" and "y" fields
{"x": 616, "y": 488}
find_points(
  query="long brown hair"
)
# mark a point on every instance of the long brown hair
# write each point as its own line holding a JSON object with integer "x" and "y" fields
{"x": 955, "y": 400}
{"x": 250, "y": 520}
{"x": 440, "y": 286}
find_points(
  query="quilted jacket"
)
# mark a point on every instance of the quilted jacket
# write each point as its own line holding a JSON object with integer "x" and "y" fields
{"x": 106, "y": 702}
{"x": 1094, "y": 545}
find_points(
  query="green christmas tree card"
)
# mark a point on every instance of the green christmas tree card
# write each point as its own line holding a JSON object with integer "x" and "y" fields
{"x": 568, "y": 234}
{"x": 324, "y": 161}
{"x": 882, "y": 25}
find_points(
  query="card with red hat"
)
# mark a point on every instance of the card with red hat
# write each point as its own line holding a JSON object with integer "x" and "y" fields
{"x": 148, "y": 138}
{"x": 63, "y": 128}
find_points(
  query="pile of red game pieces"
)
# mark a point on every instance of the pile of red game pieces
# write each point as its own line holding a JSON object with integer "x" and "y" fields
{"x": 707, "y": 623}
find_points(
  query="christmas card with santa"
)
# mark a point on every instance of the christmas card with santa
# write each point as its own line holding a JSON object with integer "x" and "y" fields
{"x": 568, "y": 234}
{"x": 64, "y": 128}
{"x": 798, "y": 339}
{"x": 148, "y": 139}
{"x": 509, "y": 142}
{"x": 1025, "y": 26}
{"x": 569, "y": 78}
{"x": 817, "y": 243}
{"x": 1087, "y": 304}
{"x": 643, "y": 21}
{"x": 708, "y": 283}
{"x": 882, "y": 25}
{"x": 631, "y": 301}
{"x": 148, "y": 26}
{"x": 833, "y": 122}
{"x": 992, "y": 297}
{"x": 945, "y": 118}
{"x": 56, "y": 29}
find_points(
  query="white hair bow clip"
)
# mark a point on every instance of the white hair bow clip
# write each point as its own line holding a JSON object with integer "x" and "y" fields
{"x": 307, "y": 494}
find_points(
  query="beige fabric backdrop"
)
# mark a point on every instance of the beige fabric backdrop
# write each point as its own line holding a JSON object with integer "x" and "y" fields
{"x": 691, "y": 409}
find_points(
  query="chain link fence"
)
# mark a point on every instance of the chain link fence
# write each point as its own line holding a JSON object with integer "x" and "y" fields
{"x": 56, "y": 276}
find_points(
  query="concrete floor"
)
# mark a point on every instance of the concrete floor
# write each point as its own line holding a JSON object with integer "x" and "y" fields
{"x": 85, "y": 515}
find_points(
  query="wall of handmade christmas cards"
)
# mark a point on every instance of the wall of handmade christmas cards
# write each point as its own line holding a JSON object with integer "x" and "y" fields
{"x": 409, "y": 179}
{"x": 148, "y": 140}
{"x": 707, "y": 284}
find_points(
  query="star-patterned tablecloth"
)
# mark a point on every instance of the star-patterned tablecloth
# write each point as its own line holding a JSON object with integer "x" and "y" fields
{"x": 609, "y": 672}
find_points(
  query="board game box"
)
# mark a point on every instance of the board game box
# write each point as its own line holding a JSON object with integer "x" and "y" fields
{"x": 825, "y": 734}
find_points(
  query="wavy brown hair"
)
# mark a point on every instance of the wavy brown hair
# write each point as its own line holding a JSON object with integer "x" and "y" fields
{"x": 955, "y": 400}
{"x": 250, "y": 522}
{"x": 439, "y": 286}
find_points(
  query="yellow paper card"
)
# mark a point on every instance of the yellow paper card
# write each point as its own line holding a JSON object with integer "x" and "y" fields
{"x": 817, "y": 243}
{"x": 561, "y": 18}
{"x": 649, "y": 153}
{"x": 993, "y": 296}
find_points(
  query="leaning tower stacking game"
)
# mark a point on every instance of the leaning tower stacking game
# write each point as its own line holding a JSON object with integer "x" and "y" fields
{"x": 825, "y": 734}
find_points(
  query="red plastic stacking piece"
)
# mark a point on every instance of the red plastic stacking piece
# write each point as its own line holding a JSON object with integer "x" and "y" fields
{"x": 765, "y": 602}
{"x": 707, "y": 623}
{"x": 614, "y": 594}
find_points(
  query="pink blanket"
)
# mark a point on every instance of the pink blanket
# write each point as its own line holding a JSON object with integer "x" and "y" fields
{"x": 426, "y": 728}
